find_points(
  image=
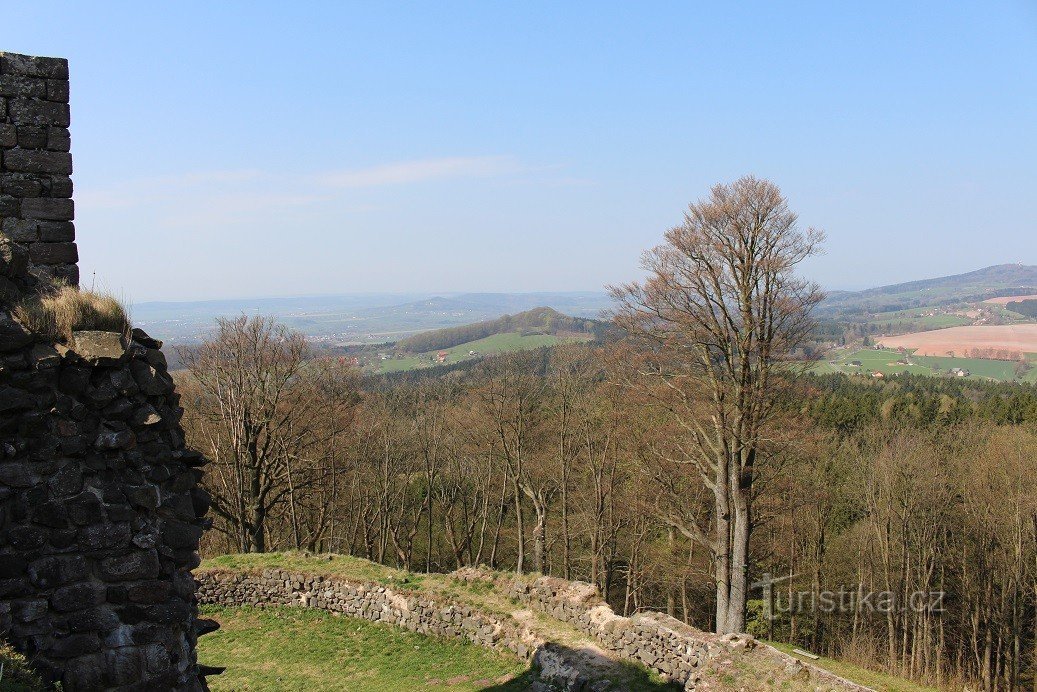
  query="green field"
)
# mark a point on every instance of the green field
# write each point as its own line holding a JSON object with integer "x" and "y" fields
{"x": 910, "y": 320}
{"x": 884, "y": 361}
{"x": 302, "y": 649}
{"x": 498, "y": 343}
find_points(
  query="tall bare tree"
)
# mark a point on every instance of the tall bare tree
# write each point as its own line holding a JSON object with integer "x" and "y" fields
{"x": 720, "y": 310}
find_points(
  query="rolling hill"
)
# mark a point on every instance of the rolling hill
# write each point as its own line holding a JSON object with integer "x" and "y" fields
{"x": 536, "y": 328}
{"x": 539, "y": 320}
{"x": 991, "y": 282}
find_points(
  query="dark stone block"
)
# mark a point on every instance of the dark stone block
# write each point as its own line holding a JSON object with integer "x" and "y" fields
{"x": 32, "y": 66}
{"x": 67, "y": 480}
{"x": 57, "y": 90}
{"x": 78, "y": 597}
{"x": 85, "y": 509}
{"x": 60, "y": 185}
{"x": 74, "y": 645}
{"x": 56, "y": 231}
{"x": 13, "y": 588}
{"x": 58, "y": 139}
{"x": 32, "y": 161}
{"x": 26, "y": 538}
{"x": 136, "y": 565}
{"x": 48, "y": 209}
{"x": 12, "y": 566}
{"x": 21, "y": 231}
{"x": 144, "y": 496}
{"x": 74, "y": 380}
{"x": 52, "y": 514}
{"x": 32, "y": 136}
{"x": 85, "y": 673}
{"x": 51, "y": 572}
{"x": 99, "y": 619}
{"x": 29, "y": 611}
{"x": 150, "y": 380}
{"x": 37, "y": 112}
{"x": 103, "y": 536}
{"x": 17, "y": 474}
{"x": 53, "y": 253}
{"x": 124, "y": 666}
{"x": 20, "y": 185}
{"x": 149, "y": 592}
{"x": 177, "y": 534}
{"x": 16, "y": 86}
{"x": 120, "y": 439}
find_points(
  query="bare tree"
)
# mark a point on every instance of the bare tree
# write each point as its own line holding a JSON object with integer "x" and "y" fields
{"x": 720, "y": 310}
{"x": 267, "y": 415}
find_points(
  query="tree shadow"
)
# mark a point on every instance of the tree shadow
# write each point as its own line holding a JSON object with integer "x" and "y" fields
{"x": 595, "y": 672}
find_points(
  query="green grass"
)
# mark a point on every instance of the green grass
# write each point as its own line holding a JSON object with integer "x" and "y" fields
{"x": 498, "y": 343}
{"x": 994, "y": 369}
{"x": 862, "y": 676}
{"x": 884, "y": 361}
{"x": 301, "y": 649}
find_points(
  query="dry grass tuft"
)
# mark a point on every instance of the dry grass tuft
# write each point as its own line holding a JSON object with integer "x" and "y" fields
{"x": 67, "y": 309}
{"x": 17, "y": 675}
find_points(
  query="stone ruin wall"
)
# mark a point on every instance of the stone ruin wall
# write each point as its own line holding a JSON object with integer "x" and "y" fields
{"x": 100, "y": 508}
{"x": 661, "y": 643}
{"x": 36, "y": 207}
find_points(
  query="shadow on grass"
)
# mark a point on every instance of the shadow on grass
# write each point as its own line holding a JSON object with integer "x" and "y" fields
{"x": 593, "y": 668}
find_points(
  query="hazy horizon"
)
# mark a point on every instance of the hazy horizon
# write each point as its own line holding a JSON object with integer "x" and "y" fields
{"x": 341, "y": 148}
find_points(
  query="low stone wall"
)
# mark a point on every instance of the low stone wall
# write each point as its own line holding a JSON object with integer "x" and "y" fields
{"x": 369, "y": 601}
{"x": 662, "y": 643}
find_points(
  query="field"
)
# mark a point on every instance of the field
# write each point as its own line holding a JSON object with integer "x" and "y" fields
{"x": 884, "y": 361}
{"x": 916, "y": 320}
{"x": 498, "y": 343}
{"x": 297, "y": 649}
{"x": 1005, "y": 300}
{"x": 961, "y": 340}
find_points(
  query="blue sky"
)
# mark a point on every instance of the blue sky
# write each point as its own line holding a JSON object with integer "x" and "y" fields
{"x": 246, "y": 149}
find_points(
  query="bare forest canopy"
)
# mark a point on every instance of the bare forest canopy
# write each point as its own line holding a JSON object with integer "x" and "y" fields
{"x": 921, "y": 485}
{"x": 991, "y": 282}
{"x": 540, "y": 320}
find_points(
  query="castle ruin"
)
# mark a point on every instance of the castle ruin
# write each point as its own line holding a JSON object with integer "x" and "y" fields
{"x": 100, "y": 506}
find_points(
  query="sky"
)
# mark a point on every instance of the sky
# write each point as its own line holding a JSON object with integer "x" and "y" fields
{"x": 242, "y": 149}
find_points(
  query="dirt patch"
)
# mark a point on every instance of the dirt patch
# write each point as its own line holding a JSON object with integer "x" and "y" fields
{"x": 1005, "y": 300}
{"x": 959, "y": 341}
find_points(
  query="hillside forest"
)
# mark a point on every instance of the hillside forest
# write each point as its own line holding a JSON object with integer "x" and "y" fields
{"x": 890, "y": 523}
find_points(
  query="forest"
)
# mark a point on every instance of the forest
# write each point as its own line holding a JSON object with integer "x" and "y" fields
{"x": 545, "y": 461}
{"x": 682, "y": 465}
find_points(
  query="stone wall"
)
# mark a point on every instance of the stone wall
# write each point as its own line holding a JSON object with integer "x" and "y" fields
{"x": 35, "y": 164}
{"x": 100, "y": 509}
{"x": 662, "y": 644}
{"x": 370, "y": 601}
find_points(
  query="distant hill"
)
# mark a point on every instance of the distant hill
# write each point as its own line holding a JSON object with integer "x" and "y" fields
{"x": 991, "y": 282}
{"x": 540, "y": 320}
{"x": 358, "y": 318}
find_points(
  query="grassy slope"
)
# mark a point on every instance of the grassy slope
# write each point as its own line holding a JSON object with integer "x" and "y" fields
{"x": 862, "y": 676}
{"x": 296, "y": 649}
{"x": 498, "y": 343}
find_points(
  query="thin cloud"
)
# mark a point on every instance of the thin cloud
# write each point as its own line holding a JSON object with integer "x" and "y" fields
{"x": 405, "y": 172}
